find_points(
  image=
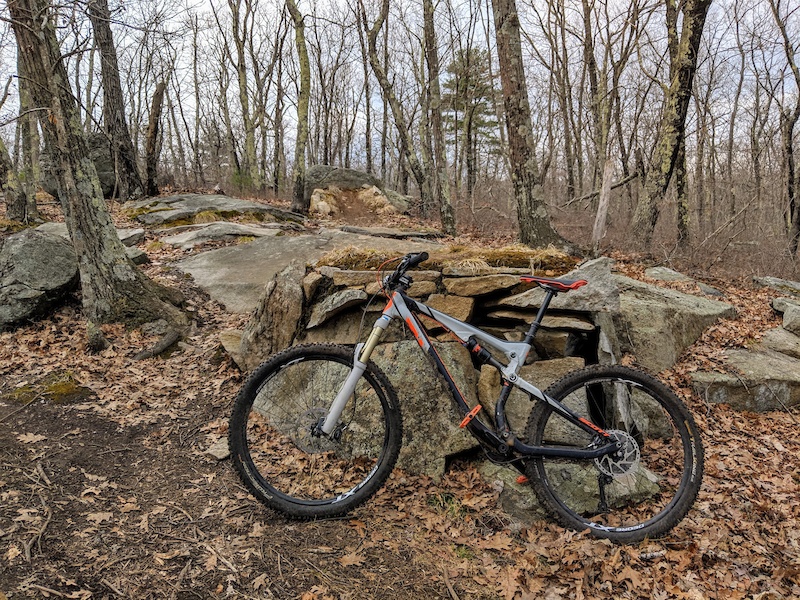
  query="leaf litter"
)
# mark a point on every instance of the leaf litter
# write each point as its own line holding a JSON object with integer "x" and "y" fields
{"x": 114, "y": 496}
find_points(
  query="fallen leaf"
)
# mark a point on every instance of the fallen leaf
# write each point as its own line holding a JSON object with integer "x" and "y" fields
{"x": 352, "y": 558}
{"x": 99, "y": 517}
{"x": 31, "y": 438}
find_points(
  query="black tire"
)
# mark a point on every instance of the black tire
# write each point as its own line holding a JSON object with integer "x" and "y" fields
{"x": 649, "y": 486}
{"x": 299, "y": 474}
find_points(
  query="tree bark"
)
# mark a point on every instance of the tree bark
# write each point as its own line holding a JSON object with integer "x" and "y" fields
{"x": 403, "y": 130}
{"x": 299, "y": 203}
{"x": 128, "y": 180}
{"x": 535, "y": 228}
{"x": 151, "y": 140}
{"x": 113, "y": 289}
{"x": 442, "y": 178}
{"x": 684, "y": 48}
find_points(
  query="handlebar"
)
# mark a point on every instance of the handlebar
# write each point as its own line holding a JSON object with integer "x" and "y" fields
{"x": 409, "y": 261}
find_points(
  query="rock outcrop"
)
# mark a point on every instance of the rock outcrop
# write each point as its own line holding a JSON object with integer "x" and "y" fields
{"x": 596, "y": 323}
{"x": 37, "y": 270}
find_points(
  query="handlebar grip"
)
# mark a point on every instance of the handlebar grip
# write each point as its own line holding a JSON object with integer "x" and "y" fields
{"x": 415, "y": 259}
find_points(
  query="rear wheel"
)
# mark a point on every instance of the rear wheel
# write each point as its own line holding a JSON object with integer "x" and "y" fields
{"x": 280, "y": 455}
{"x": 642, "y": 490}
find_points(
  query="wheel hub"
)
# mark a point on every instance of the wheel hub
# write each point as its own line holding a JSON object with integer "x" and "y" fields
{"x": 623, "y": 460}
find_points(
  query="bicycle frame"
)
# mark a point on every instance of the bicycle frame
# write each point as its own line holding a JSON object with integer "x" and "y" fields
{"x": 501, "y": 440}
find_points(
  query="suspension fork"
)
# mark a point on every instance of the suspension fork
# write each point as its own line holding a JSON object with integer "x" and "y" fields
{"x": 361, "y": 358}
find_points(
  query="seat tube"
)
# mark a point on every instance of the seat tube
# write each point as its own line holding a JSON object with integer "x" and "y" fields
{"x": 537, "y": 322}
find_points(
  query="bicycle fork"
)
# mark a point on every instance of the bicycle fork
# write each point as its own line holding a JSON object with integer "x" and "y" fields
{"x": 361, "y": 357}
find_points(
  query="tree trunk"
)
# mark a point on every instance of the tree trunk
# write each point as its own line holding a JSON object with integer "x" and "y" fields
{"x": 299, "y": 203}
{"x": 535, "y": 228}
{"x": 673, "y": 116}
{"x": 129, "y": 183}
{"x": 151, "y": 139}
{"x": 15, "y": 197}
{"x": 113, "y": 289}
{"x": 403, "y": 130}
{"x": 442, "y": 178}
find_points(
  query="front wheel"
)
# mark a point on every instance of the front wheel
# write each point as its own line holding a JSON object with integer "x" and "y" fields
{"x": 276, "y": 445}
{"x": 642, "y": 490}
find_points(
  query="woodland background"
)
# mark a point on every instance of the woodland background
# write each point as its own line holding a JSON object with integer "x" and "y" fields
{"x": 246, "y": 93}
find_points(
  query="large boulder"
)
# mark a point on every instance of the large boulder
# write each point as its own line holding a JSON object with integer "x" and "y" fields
{"x": 37, "y": 270}
{"x": 657, "y": 324}
{"x": 274, "y": 323}
{"x": 100, "y": 153}
{"x": 756, "y": 381}
{"x": 186, "y": 207}
{"x": 370, "y": 189}
{"x": 236, "y": 275}
{"x": 430, "y": 431}
{"x": 599, "y": 295}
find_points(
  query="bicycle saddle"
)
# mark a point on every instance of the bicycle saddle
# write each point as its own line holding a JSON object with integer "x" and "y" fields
{"x": 556, "y": 285}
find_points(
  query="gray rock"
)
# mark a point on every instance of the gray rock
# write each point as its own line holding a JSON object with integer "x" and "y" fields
{"x": 350, "y": 327}
{"x": 761, "y": 382}
{"x": 657, "y": 324}
{"x": 334, "y": 304}
{"x": 138, "y": 257}
{"x": 780, "y": 340}
{"x": 456, "y": 306}
{"x": 231, "y": 340}
{"x": 235, "y": 276}
{"x": 128, "y": 237}
{"x": 275, "y": 321}
{"x": 221, "y": 230}
{"x": 790, "y": 308}
{"x": 599, "y": 295}
{"x": 166, "y": 209}
{"x": 219, "y": 449}
{"x": 397, "y": 234}
{"x": 518, "y": 500}
{"x": 325, "y": 176}
{"x": 430, "y": 420}
{"x": 481, "y": 285}
{"x": 37, "y": 270}
{"x": 666, "y": 274}
{"x": 549, "y": 322}
{"x": 782, "y": 285}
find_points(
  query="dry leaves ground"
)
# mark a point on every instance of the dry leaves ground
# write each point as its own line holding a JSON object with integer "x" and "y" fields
{"x": 106, "y": 492}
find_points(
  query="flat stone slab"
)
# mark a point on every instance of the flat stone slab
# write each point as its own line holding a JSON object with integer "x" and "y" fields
{"x": 128, "y": 237}
{"x": 780, "y": 340}
{"x": 388, "y": 232}
{"x": 782, "y": 285}
{"x": 221, "y": 230}
{"x": 162, "y": 210}
{"x": 763, "y": 381}
{"x": 235, "y": 276}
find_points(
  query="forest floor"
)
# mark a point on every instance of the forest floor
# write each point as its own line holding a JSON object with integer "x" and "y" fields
{"x": 106, "y": 490}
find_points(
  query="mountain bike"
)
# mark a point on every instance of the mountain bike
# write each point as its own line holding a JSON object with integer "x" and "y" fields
{"x": 316, "y": 429}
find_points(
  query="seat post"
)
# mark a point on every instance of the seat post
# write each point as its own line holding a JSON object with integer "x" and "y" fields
{"x": 550, "y": 293}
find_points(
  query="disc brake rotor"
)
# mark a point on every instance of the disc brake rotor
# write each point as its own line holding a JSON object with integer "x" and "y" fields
{"x": 301, "y": 432}
{"x": 624, "y": 460}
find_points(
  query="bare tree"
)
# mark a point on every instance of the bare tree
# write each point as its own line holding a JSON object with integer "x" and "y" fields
{"x": 299, "y": 175}
{"x": 113, "y": 289}
{"x": 535, "y": 228}
{"x": 129, "y": 183}
{"x": 683, "y": 49}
